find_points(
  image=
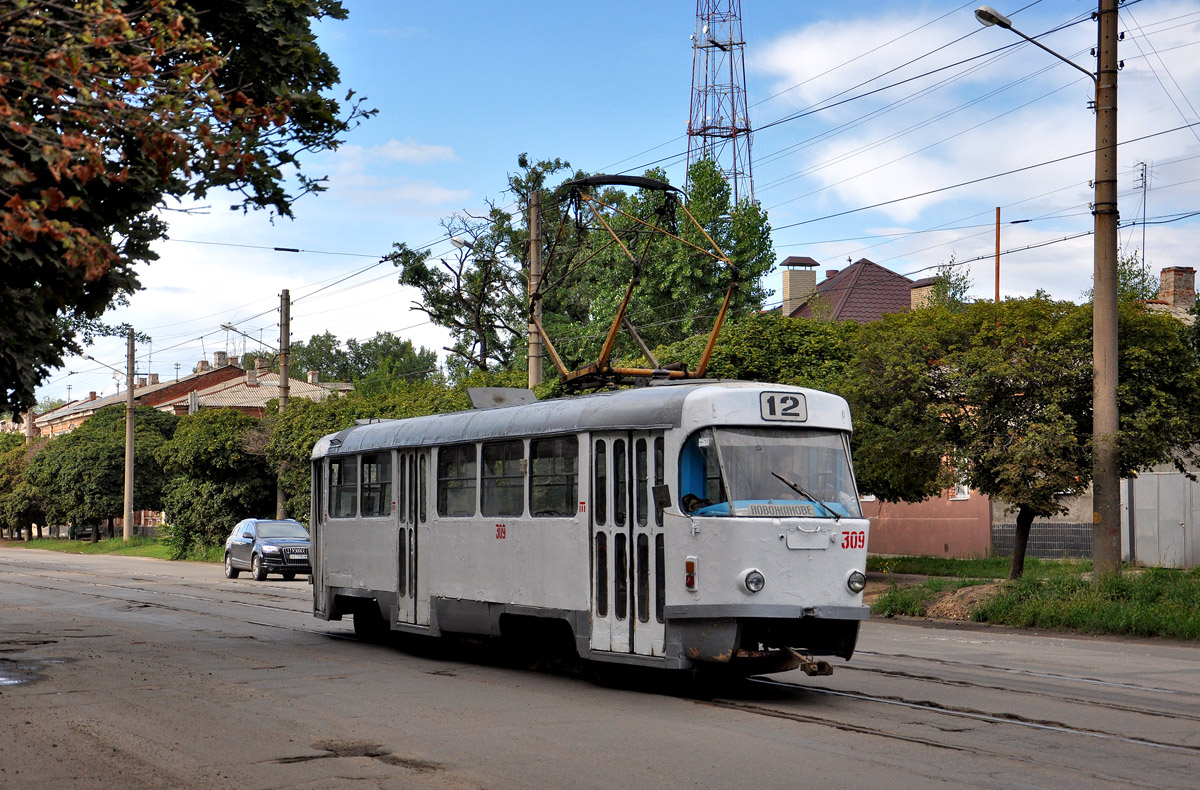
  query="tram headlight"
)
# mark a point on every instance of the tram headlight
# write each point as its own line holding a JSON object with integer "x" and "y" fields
{"x": 754, "y": 581}
{"x": 856, "y": 581}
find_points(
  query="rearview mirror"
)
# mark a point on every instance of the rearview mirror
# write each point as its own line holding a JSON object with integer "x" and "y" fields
{"x": 662, "y": 496}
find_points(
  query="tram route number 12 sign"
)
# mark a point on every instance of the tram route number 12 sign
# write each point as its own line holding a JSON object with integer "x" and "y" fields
{"x": 785, "y": 406}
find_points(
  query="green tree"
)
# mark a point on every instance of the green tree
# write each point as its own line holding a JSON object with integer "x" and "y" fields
{"x": 214, "y": 480}
{"x": 770, "y": 347}
{"x": 19, "y": 506}
{"x": 322, "y": 353}
{"x": 1134, "y": 282}
{"x": 108, "y": 110}
{"x": 950, "y": 286}
{"x": 387, "y": 357}
{"x": 381, "y": 358}
{"x": 81, "y": 476}
{"x": 1002, "y": 393}
{"x": 479, "y": 291}
{"x": 680, "y": 288}
{"x": 475, "y": 292}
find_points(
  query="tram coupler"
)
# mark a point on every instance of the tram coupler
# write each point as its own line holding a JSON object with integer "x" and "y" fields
{"x": 810, "y": 665}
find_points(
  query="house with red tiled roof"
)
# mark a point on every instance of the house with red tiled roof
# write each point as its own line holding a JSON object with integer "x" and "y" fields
{"x": 248, "y": 393}
{"x": 862, "y": 292}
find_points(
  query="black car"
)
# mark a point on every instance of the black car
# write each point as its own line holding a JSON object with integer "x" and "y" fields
{"x": 263, "y": 545}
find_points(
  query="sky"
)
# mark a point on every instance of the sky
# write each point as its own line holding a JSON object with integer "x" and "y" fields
{"x": 859, "y": 107}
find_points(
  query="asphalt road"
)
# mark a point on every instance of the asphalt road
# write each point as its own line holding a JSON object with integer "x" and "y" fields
{"x": 133, "y": 673}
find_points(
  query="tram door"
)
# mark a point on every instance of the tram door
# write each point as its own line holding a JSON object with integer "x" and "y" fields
{"x": 408, "y": 495}
{"x": 316, "y": 523}
{"x": 627, "y": 543}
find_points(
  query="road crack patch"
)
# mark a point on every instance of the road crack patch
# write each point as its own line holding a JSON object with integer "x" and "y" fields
{"x": 339, "y": 748}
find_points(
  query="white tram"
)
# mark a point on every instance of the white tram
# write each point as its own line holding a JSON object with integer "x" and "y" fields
{"x": 672, "y": 525}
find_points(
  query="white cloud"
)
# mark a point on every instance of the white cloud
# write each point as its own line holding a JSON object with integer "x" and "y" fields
{"x": 416, "y": 153}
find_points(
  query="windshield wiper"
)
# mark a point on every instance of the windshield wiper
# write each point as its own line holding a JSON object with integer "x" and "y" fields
{"x": 807, "y": 496}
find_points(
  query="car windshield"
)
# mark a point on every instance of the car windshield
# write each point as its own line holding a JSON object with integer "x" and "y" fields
{"x": 281, "y": 529}
{"x": 769, "y": 472}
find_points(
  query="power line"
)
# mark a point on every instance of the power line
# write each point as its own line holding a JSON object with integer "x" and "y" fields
{"x": 976, "y": 180}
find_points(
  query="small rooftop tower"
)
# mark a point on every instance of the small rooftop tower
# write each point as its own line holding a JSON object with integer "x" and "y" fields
{"x": 799, "y": 281}
{"x": 719, "y": 122}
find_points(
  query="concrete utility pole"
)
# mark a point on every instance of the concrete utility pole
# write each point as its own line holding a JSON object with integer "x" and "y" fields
{"x": 127, "y": 525}
{"x": 1106, "y": 475}
{"x": 1106, "y": 467}
{"x": 285, "y": 347}
{"x": 535, "y": 279}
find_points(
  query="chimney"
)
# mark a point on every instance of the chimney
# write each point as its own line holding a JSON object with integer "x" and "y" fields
{"x": 920, "y": 292}
{"x": 141, "y": 382}
{"x": 831, "y": 272}
{"x": 91, "y": 396}
{"x": 252, "y": 377}
{"x": 260, "y": 364}
{"x": 799, "y": 282}
{"x": 1177, "y": 286}
{"x": 202, "y": 366}
{"x": 153, "y": 378}
{"x": 314, "y": 377}
{"x": 220, "y": 359}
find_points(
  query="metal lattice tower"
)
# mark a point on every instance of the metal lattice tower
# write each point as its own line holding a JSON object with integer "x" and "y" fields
{"x": 719, "y": 123}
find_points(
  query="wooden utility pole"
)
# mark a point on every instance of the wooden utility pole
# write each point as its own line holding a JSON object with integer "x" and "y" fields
{"x": 127, "y": 526}
{"x": 997, "y": 255}
{"x": 1106, "y": 476}
{"x": 285, "y": 347}
{"x": 535, "y": 279}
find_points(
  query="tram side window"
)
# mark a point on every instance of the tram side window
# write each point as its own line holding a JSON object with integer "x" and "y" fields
{"x": 376, "y": 485}
{"x": 503, "y": 481}
{"x": 553, "y": 476}
{"x": 600, "y": 489}
{"x": 343, "y": 486}
{"x": 641, "y": 475}
{"x": 659, "y": 472}
{"x": 421, "y": 487}
{"x": 402, "y": 488}
{"x": 456, "y": 480}
{"x": 319, "y": 489}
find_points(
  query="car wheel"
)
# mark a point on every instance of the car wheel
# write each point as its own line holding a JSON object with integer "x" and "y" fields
{"x": 288, "y": 576}
{"x": 230, "y": 571}
{"x": 257, "y": 568}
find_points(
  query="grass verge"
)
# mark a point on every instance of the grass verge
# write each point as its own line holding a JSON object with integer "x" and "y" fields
{"x": 978, "y": 568}
{"x": 134, "y": 547}
{"x": 1139, "y": 602}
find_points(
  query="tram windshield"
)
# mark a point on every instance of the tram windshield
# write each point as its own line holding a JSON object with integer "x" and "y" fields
{"x": 767, "y": 472}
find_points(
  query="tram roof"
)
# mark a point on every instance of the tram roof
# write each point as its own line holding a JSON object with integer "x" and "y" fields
{"x": 642, "y": 408}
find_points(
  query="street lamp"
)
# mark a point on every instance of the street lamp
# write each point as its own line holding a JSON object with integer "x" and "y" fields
{"x": 1106, "y": 479}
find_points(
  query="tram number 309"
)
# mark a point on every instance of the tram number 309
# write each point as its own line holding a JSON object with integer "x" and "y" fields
{"x": 854, "y": 539}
